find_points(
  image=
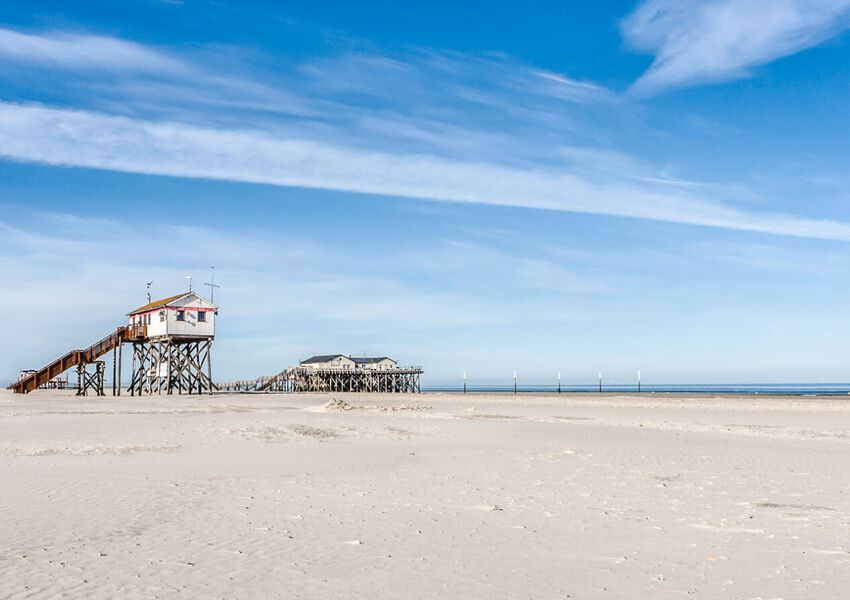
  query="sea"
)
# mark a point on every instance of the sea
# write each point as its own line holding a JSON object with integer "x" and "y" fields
{"x": 789, "y": 389}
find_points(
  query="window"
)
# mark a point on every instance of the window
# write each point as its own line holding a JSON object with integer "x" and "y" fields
{"x": 162, "y": 316}
{"x": 181, "y": 315}
{"x": 202, "y": 316}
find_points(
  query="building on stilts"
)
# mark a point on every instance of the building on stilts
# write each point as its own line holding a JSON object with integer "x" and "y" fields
{"x": 172, "y": 342}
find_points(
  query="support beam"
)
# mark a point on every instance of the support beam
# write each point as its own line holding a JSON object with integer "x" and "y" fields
{"x": 169, "y": 364}
{"x": 90, "y": 381}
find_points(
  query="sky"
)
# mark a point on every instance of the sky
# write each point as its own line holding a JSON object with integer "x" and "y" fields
{"x": 482, "y": 186}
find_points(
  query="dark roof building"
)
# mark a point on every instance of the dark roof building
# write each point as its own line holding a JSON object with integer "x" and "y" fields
{"x": 321, "y": 358}
{"x": 341, "y": 361}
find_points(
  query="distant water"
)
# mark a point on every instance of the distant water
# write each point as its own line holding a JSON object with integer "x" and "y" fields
{"x": 791, "y": 389}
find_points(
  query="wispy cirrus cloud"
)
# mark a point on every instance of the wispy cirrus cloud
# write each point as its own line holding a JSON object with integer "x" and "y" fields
{"x": 716, "y": 40}
{"x": 424, "y": 125}
{"x": 83, "y": 51}
{"x": 95, "y": 140}
{"x": 412, "y": 100}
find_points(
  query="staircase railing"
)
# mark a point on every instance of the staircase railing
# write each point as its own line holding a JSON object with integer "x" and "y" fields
{"x": 71, "y": 359}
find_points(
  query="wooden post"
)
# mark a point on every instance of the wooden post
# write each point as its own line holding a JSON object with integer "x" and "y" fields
{"x": 209, "y": 365}
{"x": 559, "y": 382}
{"x": 170, "y": 373}
{"x": 81, "y": 379}
{"x": 133, "y": 373}
{"x": 600, "y": 381}
{"x": 114, "y": 368}
{"x": 120, "y": 347}
{"x": 101, "y": 369}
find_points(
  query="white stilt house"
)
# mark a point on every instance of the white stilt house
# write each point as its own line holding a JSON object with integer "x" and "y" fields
{"x": 183, "y": 315}
{"x": 172, "y": 339}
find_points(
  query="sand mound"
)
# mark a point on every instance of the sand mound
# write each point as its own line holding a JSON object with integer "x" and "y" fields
{"x": 337, "y": 405}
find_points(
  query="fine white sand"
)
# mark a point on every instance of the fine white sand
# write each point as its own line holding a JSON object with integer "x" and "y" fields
{"x": 426, "y": 496}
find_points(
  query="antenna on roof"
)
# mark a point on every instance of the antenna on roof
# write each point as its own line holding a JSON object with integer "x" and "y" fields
{"x": 189, "y": 278}
{"x": 212, "y": 284}
{"x": 148, "y": 286}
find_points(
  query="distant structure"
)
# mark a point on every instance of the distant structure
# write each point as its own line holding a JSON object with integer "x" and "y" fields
{"x": 57, "y": 383}
{"x": 337, "y": 373}
{"x": 340, "y": 373}
{"x": 172, "y": 339}
{"x": 340, "y": 361}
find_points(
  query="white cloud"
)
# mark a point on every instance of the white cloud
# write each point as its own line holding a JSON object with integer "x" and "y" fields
{"x": 416, "y": 100}
{"x": 572, "y": 89}
{"x": 436, "y": 126}
{"x": 714, "y": 40}
{"x": 83, "y": 52}
{"x": 89, "y": 139}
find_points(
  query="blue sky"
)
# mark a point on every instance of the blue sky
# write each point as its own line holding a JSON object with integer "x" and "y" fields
{"x": 648, "y": 185}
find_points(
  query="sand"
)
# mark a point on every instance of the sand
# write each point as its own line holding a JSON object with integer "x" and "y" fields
{"x": 426, "y": 496}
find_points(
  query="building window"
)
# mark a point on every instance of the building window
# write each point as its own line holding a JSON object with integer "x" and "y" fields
{"x": 202, "y": 316}
{"x": 181, "y": 315}
{"x": 162, "y": 316}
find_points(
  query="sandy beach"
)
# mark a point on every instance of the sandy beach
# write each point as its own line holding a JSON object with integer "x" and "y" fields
{"x": 424, "y": 496}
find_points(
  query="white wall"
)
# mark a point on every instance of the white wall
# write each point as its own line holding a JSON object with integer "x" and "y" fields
{"x": 340, "y": 362}
{"x": 386, "y": 363}
{"x": 189, "y": 326}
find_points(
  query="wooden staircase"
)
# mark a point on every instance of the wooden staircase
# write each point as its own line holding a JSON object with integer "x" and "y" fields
{"x": 77, "y": 357}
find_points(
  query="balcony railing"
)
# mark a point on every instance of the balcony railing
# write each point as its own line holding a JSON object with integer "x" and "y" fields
{"x": 137, "y": 331}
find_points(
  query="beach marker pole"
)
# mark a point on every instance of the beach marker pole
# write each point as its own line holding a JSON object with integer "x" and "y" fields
{"x": 464, "y": 382}
{"x": 514, "y": 382}
{"x": 559, "y": 382}
{"x": 600, "y": 381}
{"x": 638, "y": 382}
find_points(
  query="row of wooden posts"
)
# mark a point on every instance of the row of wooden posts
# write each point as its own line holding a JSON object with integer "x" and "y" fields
{"x": 303, "y": 379}
{"x": 465, "y": 386}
